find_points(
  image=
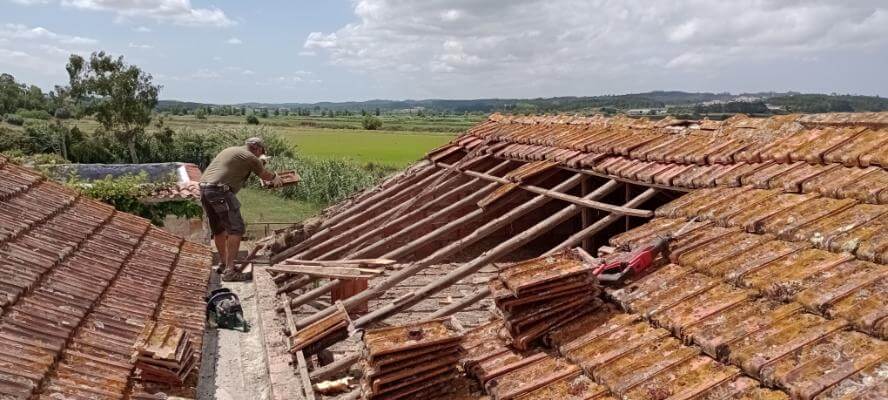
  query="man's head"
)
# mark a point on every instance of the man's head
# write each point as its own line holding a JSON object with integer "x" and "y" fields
{"x": 256, "y": 146}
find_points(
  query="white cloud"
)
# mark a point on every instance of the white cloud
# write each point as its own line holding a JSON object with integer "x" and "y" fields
{"x": 27, "y": 61}
{"x": 234, "y": 40}
{"x": 178, "y": 12}
{"x": 205, "y": 73}
{"x": 471, "y": 48}
{"x": 141, "y": 46}
{"x": 142, "y": 29}
{"x": 31, "y": 2}
{"x": 22, "y": 32}
{"x": 308, "y": 53}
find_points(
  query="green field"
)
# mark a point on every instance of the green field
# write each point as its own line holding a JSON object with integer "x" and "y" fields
{"x": 381, "y": 147}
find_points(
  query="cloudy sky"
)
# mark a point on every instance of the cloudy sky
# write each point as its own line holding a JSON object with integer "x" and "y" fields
{"x": 306, "y": 51}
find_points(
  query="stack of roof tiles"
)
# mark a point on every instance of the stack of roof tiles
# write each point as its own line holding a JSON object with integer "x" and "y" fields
{"x": 164, "y": 354}
{"x": 540, "y": 294}
{"x": 415, "y": 361}
{"x": 79, "y": 283}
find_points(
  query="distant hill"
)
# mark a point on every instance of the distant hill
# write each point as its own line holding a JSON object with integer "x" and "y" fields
{"x": 789, "y": 101}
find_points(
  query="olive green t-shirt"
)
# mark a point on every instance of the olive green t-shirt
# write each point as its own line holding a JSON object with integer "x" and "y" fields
{"x": 232, "y": 167}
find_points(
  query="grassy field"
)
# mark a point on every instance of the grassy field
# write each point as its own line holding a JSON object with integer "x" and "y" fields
{"x": 398, "y": 149}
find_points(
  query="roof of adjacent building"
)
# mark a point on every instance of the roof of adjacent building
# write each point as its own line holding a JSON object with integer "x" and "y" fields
{"x": 79, "y": 281}
{"x": 176, "y": 180}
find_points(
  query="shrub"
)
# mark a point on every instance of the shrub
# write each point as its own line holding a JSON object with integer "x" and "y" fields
{"x": 325, "y": 181}
{"x": 127, "y": 194}
{"x": 200, "y": 113}
{"x": 62, "y": 113}
{"x": 34, "y": 114}
{"x": 370, "y": 122}
{"x": 252, "y": 120}
{"x": 13, "y": 119}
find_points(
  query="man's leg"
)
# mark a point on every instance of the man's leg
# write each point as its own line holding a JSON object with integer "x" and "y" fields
{"x": 233, "y": 249}
{"x": 221, "y": 240}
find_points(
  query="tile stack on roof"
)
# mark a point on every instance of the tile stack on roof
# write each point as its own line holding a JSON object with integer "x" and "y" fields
{"x": 540, "y": 294}
{"x": 838, "y": 155}
{"x": 165, "y": 354}
{"x": 417, "y": 360}
{"x": 80, "y": 282}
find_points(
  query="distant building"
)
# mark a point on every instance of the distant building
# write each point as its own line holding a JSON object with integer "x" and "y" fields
{"x": 182, "y": 179}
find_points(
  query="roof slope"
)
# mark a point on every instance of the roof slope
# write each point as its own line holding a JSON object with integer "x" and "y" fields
{"x": 79, "y": 281}
{"x": 777, "y": 291}
{"x": 840, "y": 155}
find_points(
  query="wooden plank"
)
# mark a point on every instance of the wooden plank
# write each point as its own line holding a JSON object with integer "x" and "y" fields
{"x": 579, "y": 201}
{"x": 300, "y": 358}
{"x": 282, "y": 381}
{"x": 336, "y": 263}
{"x": 480, "y": 233}
{"x": 325, "y": 272}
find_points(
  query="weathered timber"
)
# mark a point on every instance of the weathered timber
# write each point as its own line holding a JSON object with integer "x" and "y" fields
{"x": 404, "y": 200}
{"x": 314, "y": 294}
{"x": 325, "y": 272}
{"x": 472, "y": 266}
{"x": 578, "y": 237}
{"x": 579, "y": 201}
{"x": 369, "y": 205}
{"x": 483, "y": 292}
{"x": 480, "y": 233}
{"x": 294, "y": 284}
{"x": 450, "y": 199}
{"x": 366, "y": 262}
{"x": 301, "y": 364}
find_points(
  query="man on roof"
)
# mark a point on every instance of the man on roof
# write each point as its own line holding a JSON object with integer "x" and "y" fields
{"x": 224, "y": 177}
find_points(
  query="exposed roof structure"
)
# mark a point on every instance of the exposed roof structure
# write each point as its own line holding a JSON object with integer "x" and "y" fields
{"x": 777, "y": 290}
{"x": 79, "y": 282}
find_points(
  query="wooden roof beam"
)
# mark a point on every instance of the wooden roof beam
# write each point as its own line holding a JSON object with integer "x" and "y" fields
{"x": 569, "y": 242}
{"x": 579, "y": 201}
{"x": 480, "y": 233}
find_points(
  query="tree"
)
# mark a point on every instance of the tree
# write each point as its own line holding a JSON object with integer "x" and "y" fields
{"x": 252, "y": 120}
{"x": 370, "y": 122}
{"x": 200, "y": 113}
{"x": 120, "y": 96}
{"x": 377, "y": 111}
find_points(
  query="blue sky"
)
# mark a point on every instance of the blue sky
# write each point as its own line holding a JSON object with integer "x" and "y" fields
{"x": 306, "y": 51}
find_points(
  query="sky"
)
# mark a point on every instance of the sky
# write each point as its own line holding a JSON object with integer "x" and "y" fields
{"x": 308, "y": 51}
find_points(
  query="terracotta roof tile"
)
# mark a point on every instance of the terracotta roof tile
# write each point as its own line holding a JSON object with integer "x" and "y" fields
{"x": 79, "y": 280}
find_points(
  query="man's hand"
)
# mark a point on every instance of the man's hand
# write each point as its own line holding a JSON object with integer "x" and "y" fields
{"x": 264, "y": 159}
{"x": 277, "y": 181}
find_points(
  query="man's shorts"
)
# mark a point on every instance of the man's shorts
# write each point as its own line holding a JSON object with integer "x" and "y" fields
{"x": 223, "y": 211}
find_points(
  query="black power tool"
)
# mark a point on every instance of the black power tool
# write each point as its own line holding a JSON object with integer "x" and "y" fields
{"x": 224, "y": 310}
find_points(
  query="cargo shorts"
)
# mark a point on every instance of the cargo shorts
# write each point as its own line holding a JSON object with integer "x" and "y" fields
{"x": 222, "y": 210}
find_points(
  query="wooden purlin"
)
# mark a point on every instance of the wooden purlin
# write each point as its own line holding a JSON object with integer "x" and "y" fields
{"x": 386, "y": 205}
{"x": 561, "y": 196}
{"x": 355, "y": 210}
{"x": 572, "y": 241}
{"x": 479, "y": 262}
{"x": 480, "y": 233}
{"x": 345, "y": 235}
{"x": 301, "y": 364}
{"x": 326, "y": 287}
{"x": 385, "y": 192}
{"x": 385, "y": 230}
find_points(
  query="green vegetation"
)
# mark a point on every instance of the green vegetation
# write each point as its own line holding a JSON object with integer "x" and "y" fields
{"x": 261, "y": 205}
{"x": 127, "y": 194}
{"x": 818, "y": 103}
{"x": 389, "y": 148}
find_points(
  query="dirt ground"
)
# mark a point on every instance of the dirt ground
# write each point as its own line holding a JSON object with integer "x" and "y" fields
{"x": 233, "y": 366}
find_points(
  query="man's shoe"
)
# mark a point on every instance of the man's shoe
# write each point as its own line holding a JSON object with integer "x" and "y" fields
{"x": 231, "y": 275}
